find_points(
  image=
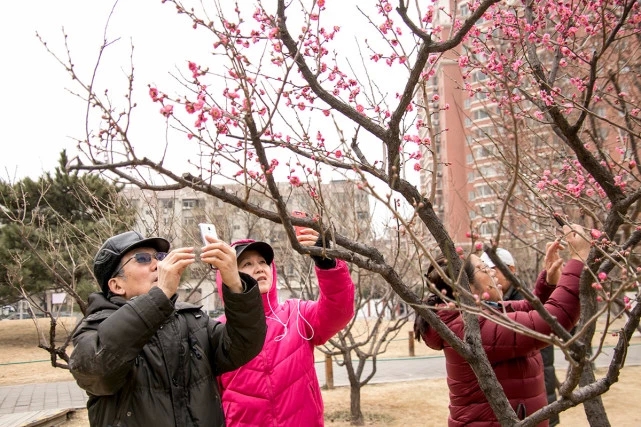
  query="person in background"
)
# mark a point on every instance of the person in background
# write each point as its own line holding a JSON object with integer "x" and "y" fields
{"x": 514, "y": 356}
{"x": 510, "y": 293}
{"x": 280, "y": 387}
{"x": 146, "y": 359}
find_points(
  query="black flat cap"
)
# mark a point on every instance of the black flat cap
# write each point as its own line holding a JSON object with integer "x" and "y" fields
{"x": 111, "y": 252}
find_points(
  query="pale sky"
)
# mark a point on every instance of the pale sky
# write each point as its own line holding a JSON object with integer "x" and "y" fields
{"x": 39, "y": 115}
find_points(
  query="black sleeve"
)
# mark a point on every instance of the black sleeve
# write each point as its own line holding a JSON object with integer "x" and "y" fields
{"x": 106, "y": 343}
{"x": 241, "y": 337}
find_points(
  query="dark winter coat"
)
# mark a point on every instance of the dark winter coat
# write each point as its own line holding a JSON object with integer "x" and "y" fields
{"x": 547, "y": 354}
{"x": 152, "y": 362}
{"x": 515, "y": 357}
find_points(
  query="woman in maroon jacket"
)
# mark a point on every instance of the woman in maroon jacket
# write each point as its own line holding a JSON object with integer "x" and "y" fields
{"x": 515, "y": 357}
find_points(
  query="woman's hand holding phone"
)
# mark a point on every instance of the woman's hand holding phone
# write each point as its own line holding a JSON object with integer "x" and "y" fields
{"x": 299, "y": 214}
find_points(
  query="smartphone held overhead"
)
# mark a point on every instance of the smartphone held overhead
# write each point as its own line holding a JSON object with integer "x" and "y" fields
{"x": 299, "y": 214}
{"x": 207, "y": 230}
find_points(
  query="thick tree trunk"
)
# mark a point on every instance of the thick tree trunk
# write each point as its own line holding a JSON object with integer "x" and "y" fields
{"x": 594, "y": 409}
{"x": 356, "y": 415}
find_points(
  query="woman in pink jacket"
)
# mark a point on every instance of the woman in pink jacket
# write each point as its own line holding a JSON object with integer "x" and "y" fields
{"x": 515, "y": 357}
{"x": 279, "y": 387}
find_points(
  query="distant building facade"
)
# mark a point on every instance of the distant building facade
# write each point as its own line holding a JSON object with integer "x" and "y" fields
{"x": 175, "y": 215}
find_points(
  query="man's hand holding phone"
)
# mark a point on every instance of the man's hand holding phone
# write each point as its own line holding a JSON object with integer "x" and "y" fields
{"x": 221, "y": 256}
{"x": 207, "y": 230}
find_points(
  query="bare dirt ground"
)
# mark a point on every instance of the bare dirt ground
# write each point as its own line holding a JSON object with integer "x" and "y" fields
{"x": 409, "y": 404}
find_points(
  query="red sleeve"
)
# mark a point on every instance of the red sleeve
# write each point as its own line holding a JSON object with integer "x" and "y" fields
{"x": 502, "y": 343}
{"x": 541, "y": 290}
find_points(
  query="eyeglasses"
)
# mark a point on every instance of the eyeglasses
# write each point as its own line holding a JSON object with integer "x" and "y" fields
{"x": 142, "y": 258}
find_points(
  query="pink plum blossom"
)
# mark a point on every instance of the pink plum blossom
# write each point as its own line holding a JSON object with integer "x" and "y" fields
{"x": 295, "y": 181}
{"x": 166, "y": 110}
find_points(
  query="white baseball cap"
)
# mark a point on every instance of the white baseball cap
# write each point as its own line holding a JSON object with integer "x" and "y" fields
{"x": 503, "y": 254}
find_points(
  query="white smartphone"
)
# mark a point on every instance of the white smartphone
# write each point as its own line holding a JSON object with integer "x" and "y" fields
{"x": 207, "y": 230}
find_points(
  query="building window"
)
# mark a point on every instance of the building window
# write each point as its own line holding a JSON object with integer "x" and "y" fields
{"x": 488, "y": 171}
{"x": 278, "y": 237}
{"x": 167, "y": 203}
{"x": 484, "y": 191}
{"x": 480, "y": 76}
{"x": 488, "y": 229}
{"x": 189, "y": 221}
{"x": 190, "y": 203}
{"x": 487, "y": 210}
{"x": 482, "y": 152}
{"x": 480, "y": 115}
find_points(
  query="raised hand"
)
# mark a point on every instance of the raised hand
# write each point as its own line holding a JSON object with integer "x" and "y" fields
{"x": 307, "y": 236}
{"x": 578, "y": 241}
{"x": 172, "y": 267}
{"x": 223, "y": 257}
{"x": 553, "y": 262}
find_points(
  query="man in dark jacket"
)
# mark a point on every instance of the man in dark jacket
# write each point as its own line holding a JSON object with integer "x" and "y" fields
{"x": 146, "y": 359}
{"x": 510, "y": 293}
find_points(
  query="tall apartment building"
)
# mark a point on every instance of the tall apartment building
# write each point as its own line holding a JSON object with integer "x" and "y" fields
{"x": 463, "y": 199}
{"x": 476, "y": 151}
{"x": 478, "y": 147}
{"x": 175, "y": 215}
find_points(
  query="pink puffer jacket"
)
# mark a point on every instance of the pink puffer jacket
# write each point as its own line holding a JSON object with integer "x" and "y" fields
{"x": 279, "y": 387}
{"x": 515, "y": 357}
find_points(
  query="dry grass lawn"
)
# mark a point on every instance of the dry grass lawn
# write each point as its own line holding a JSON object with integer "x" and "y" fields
{"x": 417, "y": 403}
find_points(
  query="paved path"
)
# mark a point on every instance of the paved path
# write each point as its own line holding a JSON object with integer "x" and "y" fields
{"x": 67, "y": 395}
{"x": 431, "y": 367}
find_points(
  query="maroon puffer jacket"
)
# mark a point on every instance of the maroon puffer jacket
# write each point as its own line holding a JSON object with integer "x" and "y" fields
{"x": 515, "y": 357}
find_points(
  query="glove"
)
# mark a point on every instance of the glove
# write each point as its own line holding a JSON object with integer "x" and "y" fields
{"x": 320, "y": 261}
